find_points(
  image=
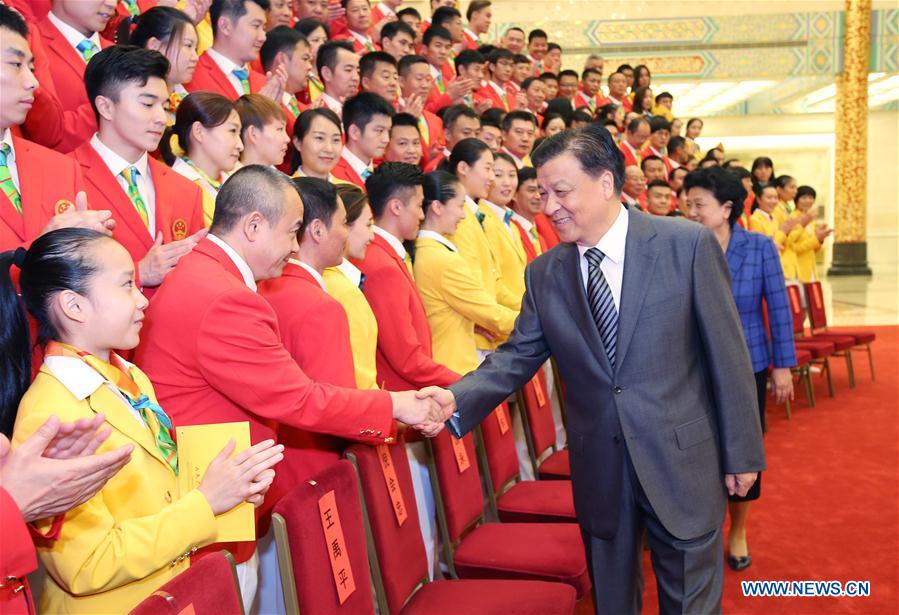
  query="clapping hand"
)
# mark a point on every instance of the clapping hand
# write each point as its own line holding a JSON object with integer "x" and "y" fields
{"x": 162, "y": 258}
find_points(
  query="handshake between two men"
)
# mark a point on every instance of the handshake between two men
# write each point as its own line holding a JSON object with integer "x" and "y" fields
{"x": 425, "y": 410}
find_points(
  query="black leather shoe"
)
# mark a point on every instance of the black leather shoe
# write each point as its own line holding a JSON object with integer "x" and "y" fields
{"x": 739, "y": 563}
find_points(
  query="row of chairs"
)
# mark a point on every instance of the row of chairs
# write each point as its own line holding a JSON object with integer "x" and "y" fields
{"x": 819, "y": 343}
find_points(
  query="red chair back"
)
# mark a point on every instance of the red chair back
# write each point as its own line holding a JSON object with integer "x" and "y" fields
{"x": 389, "y": 503}
{"x": 499, "y": 448}
{"x": 796, "y": 309}
{"x": 321, "y": 545}
{"x": 456, "y": 467}
{"x": 817, "y": 317}
{"x": 208, "y": 587}
{"x": 538, "y": 408}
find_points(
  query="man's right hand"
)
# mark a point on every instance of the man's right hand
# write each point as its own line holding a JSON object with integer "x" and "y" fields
{"x": 459, "y": 87}
{"x": 45, "y": 487}
{"x": 162, "y": 258}
{"x": 414, "y": 409}
{"x": 81, "y": 217}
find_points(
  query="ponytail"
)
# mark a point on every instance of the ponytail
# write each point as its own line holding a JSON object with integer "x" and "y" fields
{"x": 15, "y": 344}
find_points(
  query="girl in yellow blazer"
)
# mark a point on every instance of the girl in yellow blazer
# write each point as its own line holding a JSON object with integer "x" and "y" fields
{"x": 504, "y": 239}
{"x": 805, "y": 239}
{"x": 764, "y": 220}
{"x": 345, "y": 283}
{"x": 138, "y": 531}
{"x": 207, "y": 130}
{"x": 453, "y": 296}
{"x": 471, "y": 161}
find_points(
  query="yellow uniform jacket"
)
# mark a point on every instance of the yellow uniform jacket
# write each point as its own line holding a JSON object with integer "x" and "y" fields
{"x": 511, "y": 258}
{"x": 138, "y": 531}
{"x": 363, "y": 325}
{"x": 455, "y": 302}
{"x": 801, "y": 244}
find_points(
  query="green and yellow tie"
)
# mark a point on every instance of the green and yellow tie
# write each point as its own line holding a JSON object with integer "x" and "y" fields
{"x": 6, "y": 182}
{"x": 87, "y": 49}
{"x": 132, "y": 8}
{"x": 244, "y": 76}
{"x": 130, "y": 175}
{"x": 293, "y": 105}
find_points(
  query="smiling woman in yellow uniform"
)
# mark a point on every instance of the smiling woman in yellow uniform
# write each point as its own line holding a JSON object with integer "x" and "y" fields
{"x": 453, "y": 295}
{"x": 138, "y": 531}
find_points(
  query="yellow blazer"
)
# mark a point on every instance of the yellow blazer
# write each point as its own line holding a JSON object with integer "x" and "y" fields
{"x": 511, "y": 259}
{"x": 363, "y": 326}
{"x": 455, "y": 302}
{"x": 801, "y": 245}
{"x": 760, "y": 222}
{"x": 474, "y": 247}
{"x": 137, "y": 533}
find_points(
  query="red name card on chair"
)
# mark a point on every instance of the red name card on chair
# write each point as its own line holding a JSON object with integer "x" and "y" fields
{"x": 393, "y": 485}
{"x": 502, "y": 419}
{"x": 461, "y": 454}
{"x": 337, "y": 553}
{"x": 538, "y": 390}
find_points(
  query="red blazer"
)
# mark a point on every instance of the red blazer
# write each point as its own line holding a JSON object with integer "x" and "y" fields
{"x": 344, "y": 171}
{"x": 630, "y": 158}
{"x": 179, "y": 202}
{"x": 17, "y": 558}
{"x": 435, "y": 136}
{"x": 488, "y": 93}
{"x": 122, "y": 14}
{"x": 61, "y": 117}
{"x": 546, "y": 231}
{"x": 581, "y": 100}
{"x": 310, "y": 321}
{"x": 212, "y": 348}
{"x": 404, "y": 356}
{"x": 358, "y": 47}
{"x": 284, "y": 167}
{"x": 433, "y": 163}
{"x": 41, "y": 199}
{"x": 377, "y": 15}
{"x": 208, "y": 76}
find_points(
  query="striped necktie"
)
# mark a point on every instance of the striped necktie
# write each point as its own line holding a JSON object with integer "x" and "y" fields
{"x": 131, "y": 174}
{"x": 438, "y": 81}
{"x": 408, "y": 261}
{"x": 602, "y": 304}
{"x": 507, "y": 217}
{"x": 366, "y": 173}
{"x": 131, "y": 7}
{"x": 293, "y": 105}
{"x": 244, "y": 76}
{"x": 423, "y": 129}
{"x": 87, "y": 49}
{"x": 6, "y": 183}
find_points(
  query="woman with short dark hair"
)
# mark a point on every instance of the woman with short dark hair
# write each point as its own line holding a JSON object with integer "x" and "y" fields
{"x": 715, "y": 199}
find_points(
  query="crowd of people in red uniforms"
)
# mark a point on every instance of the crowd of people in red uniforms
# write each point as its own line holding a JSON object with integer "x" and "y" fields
{"x": 131, "y": 117}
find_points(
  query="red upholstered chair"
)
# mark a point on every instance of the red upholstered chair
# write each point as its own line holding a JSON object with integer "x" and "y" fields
{"x": 803, "y": 369}
{"x": 397, "y": 554}
{"x": 511, "y": 498}
{"x": 475, "y": 549}
{"x": 817, "y": 317}
{"x": 536, "y": 413}
{"x": 305, "y": 555}
{"x": 819, "y": 349}
{"x": 208, "y": 587}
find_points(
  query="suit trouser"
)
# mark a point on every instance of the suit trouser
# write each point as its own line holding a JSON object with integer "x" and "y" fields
{"x": 689, "y": 573}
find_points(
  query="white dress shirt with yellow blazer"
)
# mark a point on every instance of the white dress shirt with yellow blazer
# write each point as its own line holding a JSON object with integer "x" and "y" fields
{"x": 455, "y": 302}
{"x": 138, "y": 532}
{"x": 511, "y": 259}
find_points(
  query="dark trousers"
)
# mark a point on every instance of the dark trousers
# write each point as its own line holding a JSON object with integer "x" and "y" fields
{"x": 689, "y": 573}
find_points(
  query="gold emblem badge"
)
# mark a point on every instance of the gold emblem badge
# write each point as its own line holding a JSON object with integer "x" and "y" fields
{"x": 179, "y": 229}
{"x": 62, "y": 206}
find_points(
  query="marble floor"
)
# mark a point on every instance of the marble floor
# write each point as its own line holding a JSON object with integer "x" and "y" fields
{"x": 861, "y": 300}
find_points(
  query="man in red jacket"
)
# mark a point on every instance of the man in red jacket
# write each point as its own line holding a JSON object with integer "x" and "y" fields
{"x": 238, "y": 28}
{"x": 212, "y": 346}
{"x": 403, "y": 356}
{"x": 158, "y": 213}
{"x": 310, "y": 320}
{"x": 69, "y": 35}
{"x": 29, "y": 205}
{"x": 366, "y": 123}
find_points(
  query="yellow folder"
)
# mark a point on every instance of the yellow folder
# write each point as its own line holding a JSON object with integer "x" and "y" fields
{"x": 198, "y": 445}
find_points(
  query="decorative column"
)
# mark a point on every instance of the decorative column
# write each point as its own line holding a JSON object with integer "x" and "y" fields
{"x": 850, "y": 249}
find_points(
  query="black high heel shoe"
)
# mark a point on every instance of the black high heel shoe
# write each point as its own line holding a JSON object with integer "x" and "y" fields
{"x": 739, "y": 563}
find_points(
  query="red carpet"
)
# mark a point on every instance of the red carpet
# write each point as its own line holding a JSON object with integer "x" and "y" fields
{"x": 830, "y": 504}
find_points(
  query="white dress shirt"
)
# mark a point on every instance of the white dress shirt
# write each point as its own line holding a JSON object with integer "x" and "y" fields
{"x": 500, "y": 212}
{"x": 73, "y": 36}
{"x": 471, "y": 206}
{"x": 612, "y": 266}
{"x": 245, "y": 272}
{"x": 351, "y": 271}
{"x": 315, "y": 274}
{"x": 365, "y": 41}
{"x": 526, "y": 224}
{"x": 426, "y": 234}
{"x": 356, "y": 163}
{"x": 227, "y": 66}
{"x": 82, "y": 380}
{"x": 11, "y": 160}
{"x": 519, "y": 163}
{"x": 332, "y": 103}
{"x": 394, "y": 242}
{"x": 116, "y": 164}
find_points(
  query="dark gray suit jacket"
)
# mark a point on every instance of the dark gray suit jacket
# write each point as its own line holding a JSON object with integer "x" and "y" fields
{"x": 681, "y": 398}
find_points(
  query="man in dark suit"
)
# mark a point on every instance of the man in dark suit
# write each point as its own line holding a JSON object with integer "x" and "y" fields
{"x": 662, "y": 415}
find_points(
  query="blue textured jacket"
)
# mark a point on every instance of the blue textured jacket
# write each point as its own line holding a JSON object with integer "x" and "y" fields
{"x": 756, "y": 274}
